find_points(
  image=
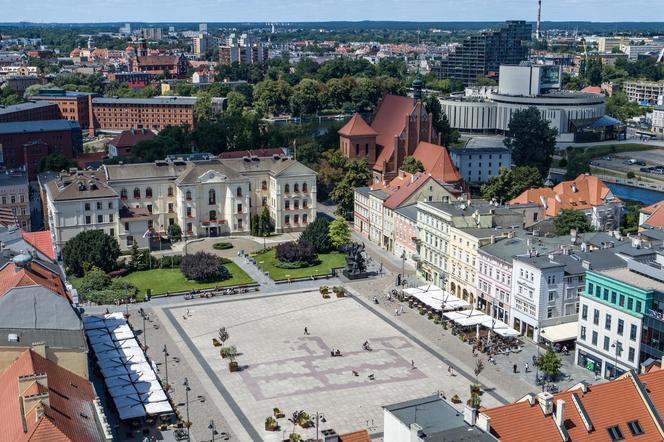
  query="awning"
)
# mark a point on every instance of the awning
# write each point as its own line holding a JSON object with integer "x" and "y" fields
{"x": 560, "y": 332}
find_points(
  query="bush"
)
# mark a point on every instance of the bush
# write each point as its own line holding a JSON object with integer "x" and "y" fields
{"x": 295, "y": 265}
{"x": 204, "y": 267}
{"x": 171, "y": 261}
{"x": 630, "y": 175}
{"x": 316, "y": 233}
{"x": 175, "y": 232}
{"x": 222, "y": 246}
{"x": 96, "y": 286}
{"x": 292, "y": 252}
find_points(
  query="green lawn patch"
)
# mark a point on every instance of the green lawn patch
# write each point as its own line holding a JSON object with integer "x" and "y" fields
{"x": 172, "y": 280}
{"x": 268, "y": 262}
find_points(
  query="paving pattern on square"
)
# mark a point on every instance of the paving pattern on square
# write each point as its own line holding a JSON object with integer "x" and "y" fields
{"x": 284, "y": 368}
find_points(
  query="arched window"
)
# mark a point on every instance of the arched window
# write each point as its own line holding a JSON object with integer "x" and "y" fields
{"x": 213, "y": 215}
{"x": 123, "y": 194}
{"x": 212, "y": 197}
{"x": 264, "y": 185}
{"x": 148, "y": 192}
{"x": 170, "y": 191}
{"x": 187, "y": 195}
{"x": 238, "y": 192}
{"x": 304, "y": 187}
{"x": 286, "y": 188}
{"x": 137, "y": 192}
{"x": 296, "y": 187}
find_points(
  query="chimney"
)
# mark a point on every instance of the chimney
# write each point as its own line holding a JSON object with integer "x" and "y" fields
{"x": 493, "y": 239}
{"x": 330, "y": 436}
{"x": 415, "y": 432}
{"x": 560, "y": 413}
{"x": 39, "y": 348}
{"x": 545, "y": 400}
{"x": 483, "y": 423}
{"x": 574, "y": 189}
{"x": 586, "y": 264}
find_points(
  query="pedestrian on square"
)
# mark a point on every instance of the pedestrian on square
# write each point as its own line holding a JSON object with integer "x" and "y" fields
{"x": 526, "y": 367}
{"x": 306, "y": 331}
{"x": 412, "y": 365}
{"x": 401, "y": 309}
{"x": 396, "y": 312}
{"x": 514, "y": 368}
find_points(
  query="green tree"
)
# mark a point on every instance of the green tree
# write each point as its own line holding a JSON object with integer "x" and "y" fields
{"x": 94, "y": 279}
{"x": 262, "y": 224}
{"x": 392, "y": 67}
{"x": 549, "y": 363}
{"x": 272, "y": 96}
{"x": 484, "y": 81}
{"x": 92, "y": 248}
{"x": 577, "y": 163}
{"x": 339, "y": 232}
{"x": 439, "y": 121}
{"x": 630, "y": 223}
{"x": 56, "y": 162}
{"x": 569, "y": 219}
{"x": 236, "y": 101}
{"x": 531, "y": 140}
{"x": 316, "y": 234}
{"x": 619, "y": 106}
{"x": 510, "y": 183}
{"x": 175, "y": 232}
{"x": 412, "y": 165}
{"x": 306, "y": 97}
{"x": 357, "y": 174}
{"x": 203, "y": 107}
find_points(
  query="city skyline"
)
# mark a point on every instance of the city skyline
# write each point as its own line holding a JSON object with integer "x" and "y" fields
{"x": 328, "y": 10}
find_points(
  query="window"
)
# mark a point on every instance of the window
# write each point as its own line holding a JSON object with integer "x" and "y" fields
{"x": 583, "y": 333}
{"x": 212, "y": 197}
{"x": 638, "y": 306}
{"x": 213, "y": 215}
{"x": 170, "y": 191}
{"x": 606, "y": 343}
{"x": 123, "y": 194}
{"x": 99, "y": 206}
{"x": 130, "y": 240}
{"x": 110, "y": 218}
{"x": 615, "y": 433}
{"x": 111, "y": 232}
{"x": 187, "y": 195}
{"x": 238, "y": 192}
{"x": 621, "y": 326}
{"x": 635, "y": 427}
{"x": 584, "y": 312}
{"x": 596, "y": 317}
{"x": 126, "y": 226}
{"x": 110, "y": 205}
{"x": 296, "y": 204}
{"x": 607, "y": 322}
{"x": 606, "y": 294}
{"x": 287, "y": 205}
{"x": 149, "y": 208}
{"x": 590, "y": 287}
{"x": 170, "y": 208}
{"x": 189, "y": 228}
{"x": 148, "y": 192}
{"x": 304, "y": 187}
{"x": 239, "y": 224}
{"x": 304, "y": 218}
{"x": 630, "y": 354}
{"x": 239, "y": 208}
{"x": 286, "y": 188}
{"x": 632, "y": 332}
{"x": 287, "y": 219}
{"x": 137, "y": 193}
{"x": 296, "y": 187}
{"x": 100, "y": 218}
{"x": 264, "y": 201}
{"x": 264, "y": 185}
{"x": 549, "y": 312}
{"x": 552, "y": 295}
{"x": 296, "y": 219}
{"x": 87, "y": 206}
{"x": 622, "y": 300}
{"x": 171, "y": 221}
{"x": 188, "y": 212}
{"x": 630, "y": 303}
{"x": 88, "y": 219}
{"x": 594, "y": 339}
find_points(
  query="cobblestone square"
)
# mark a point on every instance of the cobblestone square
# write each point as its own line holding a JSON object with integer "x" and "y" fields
{"x": 284, "y": 367}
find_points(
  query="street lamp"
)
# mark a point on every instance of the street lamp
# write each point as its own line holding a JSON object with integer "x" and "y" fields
{"x": 320, "y": 417}
{"x": 165, "y": 351}
{"x": 213, "y": 429}
{"x": 403, "y": 267}
{"x": 145, "y": 334}
{"x": 618, "y": 346}
{"x": 186, "y": 392}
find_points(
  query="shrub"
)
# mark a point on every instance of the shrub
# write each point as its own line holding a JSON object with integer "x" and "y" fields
{"x": 204, "y": 267}
{"x": 171, "y": 261}
{"x": 630, "y": 175}
{"x": 175, "y": 232}
{"x": 316, "y": 233}
{"x": 293, "y": 252}
{"x": 323, "y": 289}
{"x": 222, "y": 246}
{"x": 96, "y": 286}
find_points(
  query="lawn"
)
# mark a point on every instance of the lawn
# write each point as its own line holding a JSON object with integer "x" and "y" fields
{"x": 328, "y": 261}
{"x": 172, "y": 280}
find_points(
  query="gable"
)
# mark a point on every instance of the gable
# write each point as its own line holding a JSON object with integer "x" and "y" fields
{"x": 212, "y": 176}
{"x": 295, "y": 169}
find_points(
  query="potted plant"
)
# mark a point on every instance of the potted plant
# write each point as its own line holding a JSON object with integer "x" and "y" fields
{"x": 303, "y": 420}
{"x": 456, "y": 399}
{"x": 341, "y": 292}
{"x": 294, "y": 437}
{"x": 422, "y": 311}
{"x": 223, "y": 335}
{"x": 430, "y": 315}
{"x": 278, "y": 413}
{"x": 271, "y": 424}
{"x": 231, "y": 354}
{"x": 323, "y": 289}
{"x": 216, "y": 342}
{"x": 410, "y": 303}
{"x": 475, "y": 389}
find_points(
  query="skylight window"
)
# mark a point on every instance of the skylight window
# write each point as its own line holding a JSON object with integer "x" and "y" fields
{"x": 635, "y": 428}
{"x": 615, "y": 433}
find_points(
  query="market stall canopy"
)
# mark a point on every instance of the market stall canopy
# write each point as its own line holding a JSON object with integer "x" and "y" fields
{"x": 560, "y": 332}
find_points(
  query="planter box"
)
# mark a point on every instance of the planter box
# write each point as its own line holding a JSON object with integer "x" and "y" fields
{"x": 279, "y": 415}
{"x": 341, "y": 295}
{"x": 233, "y": 366}
{"x": 271, "y": 427}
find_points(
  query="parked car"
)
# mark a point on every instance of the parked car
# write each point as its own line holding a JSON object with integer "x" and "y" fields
{"x": 630, "y": 161}
{"x": 607, "y": 158}
{"x": 640, "y": 163}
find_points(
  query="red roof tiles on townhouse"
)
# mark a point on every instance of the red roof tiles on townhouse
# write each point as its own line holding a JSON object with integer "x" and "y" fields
{"x": 613, "y": 403}
{"x": 356, "y": 436}
{"x": 129, "y": 138}
{"x": 437, "y": 162}
{"x": 652, "y": 208}
{"x": 357, "y": 126}
{"x": 68, "y": 412}
{"x": 592, "y": 90}
{"x": 406, "y": 190}
{"x": 655, "y": 214}
{"x": 41, "y": 241}
{"x": 37, "y": 274}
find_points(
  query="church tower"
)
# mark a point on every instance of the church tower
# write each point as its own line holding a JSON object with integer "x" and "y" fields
{"x": 142, "y": 50}
{"x": 357, "y": 140}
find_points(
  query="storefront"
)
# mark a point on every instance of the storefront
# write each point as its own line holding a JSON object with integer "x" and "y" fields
{"x": 589, "y": 362}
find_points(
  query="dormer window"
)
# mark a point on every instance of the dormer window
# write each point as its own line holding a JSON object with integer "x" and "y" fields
{"x": 635, "y": 428}
{"x": 615, "y": 433}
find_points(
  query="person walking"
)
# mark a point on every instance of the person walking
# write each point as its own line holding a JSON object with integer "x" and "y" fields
{"x": 396, "y": 312}
{"x": 401, "y": 309}
{"x": 306, "y": 331}
{"x": 412, "y": 365}
{"x": 514, "y": 368}
{"x": 526, "y": 367}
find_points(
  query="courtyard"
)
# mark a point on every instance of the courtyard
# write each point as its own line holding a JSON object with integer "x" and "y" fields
{"x": 282, "y": 367}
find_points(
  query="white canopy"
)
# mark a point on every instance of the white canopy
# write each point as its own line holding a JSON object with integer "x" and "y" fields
{"x": 499, "y": 327}
{"x": 453, "y": 304}
{"x": 153, "y": 396}
{"x": 560, "y": 332}
{"x": 472, "y": 320}
{"x": 158, "y": 407}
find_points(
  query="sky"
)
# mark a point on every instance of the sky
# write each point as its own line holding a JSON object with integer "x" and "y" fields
{"x": 77, "y": 11}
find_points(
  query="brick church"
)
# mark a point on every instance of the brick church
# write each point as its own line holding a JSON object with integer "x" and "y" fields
{"x": 400, "y": 127}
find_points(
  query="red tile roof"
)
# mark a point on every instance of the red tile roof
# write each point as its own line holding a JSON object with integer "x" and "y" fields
{"x": 68, "y": 411}
{"x": 652, "y": 208}
{"x": 158, "y": 60}
{"x": 129, "y": 138}
{"x": 36, "y": 274}
{"x": 592, "y": 89}
{"x": 437, "y": 162}
{"x": 356, "y": 436}
{"x": 614, "y": 403}
{"x": 357, "y": 126}
{"x": 390, "y": 121}
{"x": 405, "y": 186}
{"x": 84, "y": 159}
{"x": 582, "y": 193}
{"x": 655, "y": 214}
{"x": 41, "y": 241}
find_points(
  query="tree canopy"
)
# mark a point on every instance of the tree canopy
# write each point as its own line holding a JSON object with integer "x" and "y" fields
{"x": 56, "y": 162}
{"x": 569, "y": 219}
{"x": 339, "y": 232}
{"x": 549, "y": 363}
{"x": 412, "y": 165}
{"x": 90, "y": 248}
{"x": 316, "y": 234}
{"x": 510, "y": 183}
{"x": 531, "y": 140}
